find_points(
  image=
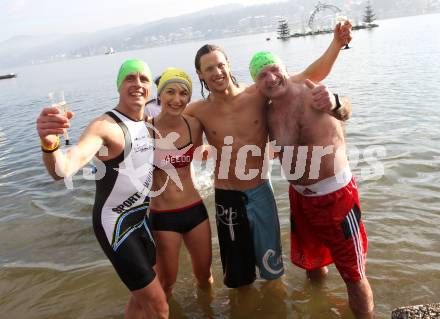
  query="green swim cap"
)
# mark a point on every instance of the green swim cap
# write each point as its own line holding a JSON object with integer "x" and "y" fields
{"x": 132, "y": 66}
{"x": 262, "y": 59}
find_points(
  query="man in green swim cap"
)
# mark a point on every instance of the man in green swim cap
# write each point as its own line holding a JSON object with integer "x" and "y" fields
{"x": 120, "y": 141}
{"x": 234, "y": 121}
{"x": 325, "y": 211}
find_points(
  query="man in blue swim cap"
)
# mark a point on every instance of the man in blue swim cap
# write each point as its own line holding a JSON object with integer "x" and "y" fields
{"x": 325, "y": 210}
{"x": 119, "y": 140}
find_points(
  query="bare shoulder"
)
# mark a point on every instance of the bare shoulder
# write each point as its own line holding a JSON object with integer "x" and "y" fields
{"x": 100, "y": 131}
{"x": 102, "y": 121}
{"x": 102, "y": 126}
{"x": 253, "y": 95}
{"x": 251, "y": 90}
{"x": 194, "y": 108}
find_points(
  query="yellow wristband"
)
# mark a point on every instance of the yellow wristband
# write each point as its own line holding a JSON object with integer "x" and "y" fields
{"x": 46, "y": 149}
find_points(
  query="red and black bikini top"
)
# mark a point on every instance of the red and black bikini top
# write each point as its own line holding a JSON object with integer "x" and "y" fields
{"x": 178, "y": 157}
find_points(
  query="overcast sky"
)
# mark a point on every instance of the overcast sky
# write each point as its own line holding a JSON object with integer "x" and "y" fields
{"x": 37, "y": 17}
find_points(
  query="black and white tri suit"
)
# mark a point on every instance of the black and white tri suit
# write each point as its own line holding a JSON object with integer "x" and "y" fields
{"x": 120, "y": 211}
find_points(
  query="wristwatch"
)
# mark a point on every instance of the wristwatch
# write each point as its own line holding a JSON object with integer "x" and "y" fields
{"x": 338, "y": 103}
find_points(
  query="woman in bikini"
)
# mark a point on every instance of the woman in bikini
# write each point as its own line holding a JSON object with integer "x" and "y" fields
{"x": 177, "y": 212}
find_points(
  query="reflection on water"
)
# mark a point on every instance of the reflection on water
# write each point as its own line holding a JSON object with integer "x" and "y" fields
{"x": 52, "y": 267}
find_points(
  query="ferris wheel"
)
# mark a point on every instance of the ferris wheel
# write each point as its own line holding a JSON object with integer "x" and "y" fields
{"x": 321, "y": 7}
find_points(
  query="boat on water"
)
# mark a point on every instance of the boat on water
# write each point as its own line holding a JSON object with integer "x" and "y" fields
{"x": 110, "y": 51}
{"x": 8, "y": 76}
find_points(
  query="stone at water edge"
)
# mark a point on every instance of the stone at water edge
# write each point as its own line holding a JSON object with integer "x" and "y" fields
{"x": 431, "y": 311}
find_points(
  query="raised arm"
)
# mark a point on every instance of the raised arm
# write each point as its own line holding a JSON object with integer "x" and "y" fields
{"x": 61, "y": 164}
{"x": 318, "y": 70}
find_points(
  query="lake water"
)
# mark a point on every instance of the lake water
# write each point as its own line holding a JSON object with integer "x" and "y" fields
{"x": 52, "y": 267}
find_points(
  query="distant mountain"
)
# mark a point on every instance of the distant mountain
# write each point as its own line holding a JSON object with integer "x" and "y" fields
{"x": 217, "y": 22}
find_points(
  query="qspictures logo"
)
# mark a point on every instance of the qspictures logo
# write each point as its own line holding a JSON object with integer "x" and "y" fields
{"x": 297, "y": 162}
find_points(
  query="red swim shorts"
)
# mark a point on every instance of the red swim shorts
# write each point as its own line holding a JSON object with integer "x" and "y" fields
{"x": 327, "y": 229}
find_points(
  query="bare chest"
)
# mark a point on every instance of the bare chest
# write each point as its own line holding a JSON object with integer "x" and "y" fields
{"x": 300, "y": 125}
{"x": 245, "y": 122}
{"x": 286, "y": 122}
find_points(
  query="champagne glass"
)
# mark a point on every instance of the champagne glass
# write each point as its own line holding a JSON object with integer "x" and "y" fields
{"x": 57, "y": 100}
{"x": 342, "y": 19}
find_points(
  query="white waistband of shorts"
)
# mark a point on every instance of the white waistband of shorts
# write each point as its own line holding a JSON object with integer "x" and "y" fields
{"x": 326, "y": 186}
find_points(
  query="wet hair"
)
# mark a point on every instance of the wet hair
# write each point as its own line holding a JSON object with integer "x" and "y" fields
{"x": 206, "y": 49}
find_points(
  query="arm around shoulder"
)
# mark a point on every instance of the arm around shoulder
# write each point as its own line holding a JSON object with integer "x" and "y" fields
{"x": 192, "y": 109}
{"x": 196, "y": 129}
{"x": 202, "y": 151}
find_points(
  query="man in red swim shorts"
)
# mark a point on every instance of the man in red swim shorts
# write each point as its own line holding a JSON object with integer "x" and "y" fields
{"x": 326, "y": 223}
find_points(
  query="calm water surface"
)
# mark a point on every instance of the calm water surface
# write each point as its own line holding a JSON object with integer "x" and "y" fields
{"x": 52, "y": 267}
